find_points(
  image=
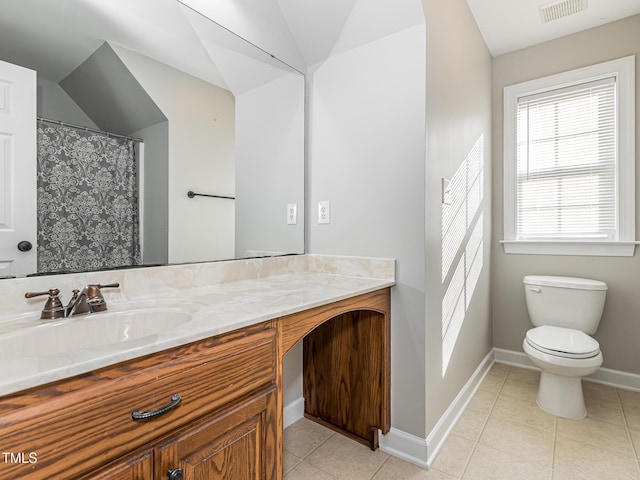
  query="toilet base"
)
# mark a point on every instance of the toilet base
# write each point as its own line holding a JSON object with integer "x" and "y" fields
{"x": 561, "y": 395}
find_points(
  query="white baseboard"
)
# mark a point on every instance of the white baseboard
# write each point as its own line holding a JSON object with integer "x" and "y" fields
{"x": 293, "y": 412}
{"x": 605, "y": 376}
{"x": 616, "y": 378}
{"x": 422, "y": 452}
{"x": 439, "y": 434}
{"x": 405, "y": 446}
{"x": 515, "y": 359}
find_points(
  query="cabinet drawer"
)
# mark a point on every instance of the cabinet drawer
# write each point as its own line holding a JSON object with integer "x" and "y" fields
{"x": 207, "y": 376}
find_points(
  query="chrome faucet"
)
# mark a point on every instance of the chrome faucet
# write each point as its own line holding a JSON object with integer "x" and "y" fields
{"x": 89, "y": 300}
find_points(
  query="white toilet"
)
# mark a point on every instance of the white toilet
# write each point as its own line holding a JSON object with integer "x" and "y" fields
{"x": 564, "y": 311}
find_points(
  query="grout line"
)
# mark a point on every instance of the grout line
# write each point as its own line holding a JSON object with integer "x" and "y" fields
{"x": 321, "y": 444}
{"x": 495, "y": 400}
{"x": 626, "y": 424}
{"x": 555, "y": 444}
{"x": 486, "y": 420}
{"x": 303, "y": 459}
{"x": 380, "y": 467}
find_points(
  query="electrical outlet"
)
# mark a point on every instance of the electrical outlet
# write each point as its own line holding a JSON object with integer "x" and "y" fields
{"x": 324, "y": 212}
{"x": 292, "y": 214}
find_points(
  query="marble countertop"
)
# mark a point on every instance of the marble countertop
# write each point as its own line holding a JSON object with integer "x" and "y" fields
{"x": 260, "y": 290}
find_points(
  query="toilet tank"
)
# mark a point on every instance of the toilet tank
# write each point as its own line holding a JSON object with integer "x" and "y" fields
{"x": 565, "y": 301}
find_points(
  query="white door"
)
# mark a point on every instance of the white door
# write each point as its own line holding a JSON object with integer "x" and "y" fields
{"x": 17, "y": 170}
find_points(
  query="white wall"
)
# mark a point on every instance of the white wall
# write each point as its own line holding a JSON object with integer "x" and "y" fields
{"x": 201, "y": 158}
{"x": 458, "y": 126}
{"x": 387, "y": 121}
{"x": 293, "y": 375}
{"x": 366, "y": 156}
{"x": 270, "y": 167}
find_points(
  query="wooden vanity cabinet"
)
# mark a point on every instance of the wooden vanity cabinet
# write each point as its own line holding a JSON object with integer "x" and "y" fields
{"x": 346, "y": 363}
{"x": 83, "y": 427}
{"x": 228, "y": 424}
{"x": 236, "y": 443}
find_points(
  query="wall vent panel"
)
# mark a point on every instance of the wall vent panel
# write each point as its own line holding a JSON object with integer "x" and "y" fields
{"x": 556, "y": 10}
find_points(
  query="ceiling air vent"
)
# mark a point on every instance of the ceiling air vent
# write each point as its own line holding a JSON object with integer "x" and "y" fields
{"x": 556, "y": 10}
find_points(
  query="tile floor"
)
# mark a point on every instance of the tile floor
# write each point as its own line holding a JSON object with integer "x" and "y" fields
{"x": 501, "y": 435}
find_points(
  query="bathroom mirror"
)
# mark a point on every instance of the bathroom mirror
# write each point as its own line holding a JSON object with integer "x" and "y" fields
{"x": 217, "y": 116}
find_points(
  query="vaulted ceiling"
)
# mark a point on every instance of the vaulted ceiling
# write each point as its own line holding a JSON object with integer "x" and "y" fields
{"x": 334, "y": 26}
{"x": 300, "y": 32}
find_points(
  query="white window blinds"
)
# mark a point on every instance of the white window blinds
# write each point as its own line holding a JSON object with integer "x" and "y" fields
{"x": 566, "y": 163}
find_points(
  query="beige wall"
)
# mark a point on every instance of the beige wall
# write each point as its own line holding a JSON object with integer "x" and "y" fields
{"x": 619, "y": 332}
{"x": 458, "y": 135}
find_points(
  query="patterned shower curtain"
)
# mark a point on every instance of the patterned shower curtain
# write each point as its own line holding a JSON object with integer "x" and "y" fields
{"x": 87, "y": 200}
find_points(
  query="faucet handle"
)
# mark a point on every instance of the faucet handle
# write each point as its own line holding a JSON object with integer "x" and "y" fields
{"x": 108, "y": 285}
{"x": 94, "y": 296}
{"x": 53, "y": 308}
{"x": 51, "y": 293}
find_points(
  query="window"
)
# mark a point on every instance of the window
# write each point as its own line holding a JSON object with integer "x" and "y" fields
{"x": 569, "y": 162}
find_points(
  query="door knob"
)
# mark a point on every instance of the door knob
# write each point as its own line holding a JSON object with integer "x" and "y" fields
{"x": 24, "y": 246}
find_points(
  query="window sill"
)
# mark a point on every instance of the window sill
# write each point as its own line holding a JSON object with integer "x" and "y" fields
{"x": 598, "y": 249}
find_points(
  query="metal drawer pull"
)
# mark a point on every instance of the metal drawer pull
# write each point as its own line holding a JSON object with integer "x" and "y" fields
{"x": 140, "y": 415}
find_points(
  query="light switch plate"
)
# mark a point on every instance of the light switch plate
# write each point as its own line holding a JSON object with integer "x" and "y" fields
{"x": 447, "y": 196}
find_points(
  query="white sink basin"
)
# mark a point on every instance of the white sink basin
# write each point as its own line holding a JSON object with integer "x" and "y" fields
{"x": 88, "y": 331}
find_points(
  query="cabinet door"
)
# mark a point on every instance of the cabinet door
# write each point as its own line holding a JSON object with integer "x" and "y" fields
{"x": 237, "y": 444}
{"x": 346, "y": 381}
{"x": 138, "y": 466}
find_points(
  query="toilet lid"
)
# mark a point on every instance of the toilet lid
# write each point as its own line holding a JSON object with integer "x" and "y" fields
{"x": 563, "y": 342}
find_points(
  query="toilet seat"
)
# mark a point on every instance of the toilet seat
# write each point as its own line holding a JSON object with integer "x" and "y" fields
{"x": 562, "y": 342}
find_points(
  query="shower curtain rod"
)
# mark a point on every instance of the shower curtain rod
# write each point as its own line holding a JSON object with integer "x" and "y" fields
{"x": 89, "y": 129}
